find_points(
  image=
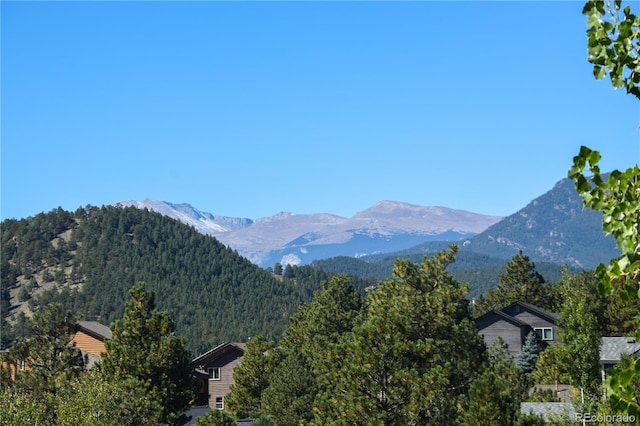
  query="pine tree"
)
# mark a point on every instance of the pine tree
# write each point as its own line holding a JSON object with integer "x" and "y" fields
{"x": 521, "y": 282}
{"x": 528, "y": 356}
{"x": 289, "y": 398}
{"x": 50, "y": 362}
{"x": 145, "y": 347}
{"x": 251, "y": 378}
{"x": 301, "y": 360}
{"x": 411, "y": 359}
{"x": 495, "y": 395}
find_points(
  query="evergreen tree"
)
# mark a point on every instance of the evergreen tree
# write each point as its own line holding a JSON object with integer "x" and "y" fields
{"x": 289, "y": 272}
{"x": 411, "y": 359}
{"x": 289, "y": 398}
{"x": 145, "y": 347}
{"x": 301, "y": 360}
{"x": 251, "y": 378}
{"x": 520, "y": 283}
{"x": 320, "y": 323}
{"x": 528, "y": 356}
{"x": 50, "y": 362}
{"x": 277, "y": 269}
{"x": 495, "y": 395}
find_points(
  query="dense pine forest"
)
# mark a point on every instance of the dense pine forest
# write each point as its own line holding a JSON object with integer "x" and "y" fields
{"x": 88, "y": 260}
{"x": 480, "y": 271}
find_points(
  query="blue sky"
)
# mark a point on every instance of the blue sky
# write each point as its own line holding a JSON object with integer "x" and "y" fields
{"x": 252, "y": 108}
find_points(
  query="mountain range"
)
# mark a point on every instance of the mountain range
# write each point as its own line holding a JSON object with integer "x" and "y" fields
{"x": 87, "y": 260}
{"x": 553, "y": 227}
{"x": 295, "y": 239}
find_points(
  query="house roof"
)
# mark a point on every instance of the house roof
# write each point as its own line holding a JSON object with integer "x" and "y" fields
{"x": 95, "y": 329}
{"x": 502, "y": 315}
{"x": 219, "y": 350}
{"x": 549, "y": 316}
{"x": 550, "y": 411}
{"x": 613, "y": 347}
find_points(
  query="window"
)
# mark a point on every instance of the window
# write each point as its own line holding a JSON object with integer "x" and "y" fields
{"x": 214, "y": 373}
{"x": 219, "y": 403}
{"x": 20, "y": 365}
{"x": 544, "y": 333}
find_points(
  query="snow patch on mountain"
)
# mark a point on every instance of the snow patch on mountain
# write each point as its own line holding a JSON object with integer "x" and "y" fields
{"x": 286, "y": 232}
{"x": 203, "y": 222}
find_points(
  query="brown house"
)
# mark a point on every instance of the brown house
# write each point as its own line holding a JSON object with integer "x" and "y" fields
{"x": 214, "y": 371}
{"x": 90, "y": 339}
{"x": 514, "y": 322}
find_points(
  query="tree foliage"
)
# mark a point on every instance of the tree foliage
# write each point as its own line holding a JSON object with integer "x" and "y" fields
{"x": 144, "y": 347}
{"x": 613, "y": 42}
{"x": 618, "y": 197}
{"x": 552, "y": 366}
{"x": 215, "y": 418}
{"x": 579, "y": 333}
{"x": 521, "y": 282}
{"x": 95, "y": 400}
{"x": 528, "y": 356}
{"x": 301, "y": 361}
{"x": 50, "y": 361}
{"x": 397, "y": 367}
{"x": 495, "y": 395}
{"x": 251, "y": 378}
{"x": 20, "y": 408}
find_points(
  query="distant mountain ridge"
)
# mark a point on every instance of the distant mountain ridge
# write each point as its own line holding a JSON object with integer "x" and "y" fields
{"x": 301, "y": 238}
{"x": 554, "y": 227}
{"x": 203, "y": 222}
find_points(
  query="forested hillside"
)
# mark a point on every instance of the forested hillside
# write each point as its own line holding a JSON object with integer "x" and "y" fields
{"x": 480, "y": 271}
{"x": 88, "y": 260}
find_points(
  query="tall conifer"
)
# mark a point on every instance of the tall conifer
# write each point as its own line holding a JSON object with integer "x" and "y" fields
{"x": 145, "y": 347}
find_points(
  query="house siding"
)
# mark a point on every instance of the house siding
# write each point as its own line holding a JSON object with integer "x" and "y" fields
{"x": 226, "y": 360}
{"x": 220, "y": 388}
{"x": 513, "y": 323}
{"x": 534, "y": 320}
{"x": 88, "y": 343}
{"x": 492, "y": 326}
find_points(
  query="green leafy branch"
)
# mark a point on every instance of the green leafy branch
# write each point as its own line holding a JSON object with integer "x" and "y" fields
{"x": 613, "y": 43}
{"x": 618, "y": 198}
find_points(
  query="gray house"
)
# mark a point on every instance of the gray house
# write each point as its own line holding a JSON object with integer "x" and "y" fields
{"x": 514, "y": 322}
{"x": 612, "y": 350}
